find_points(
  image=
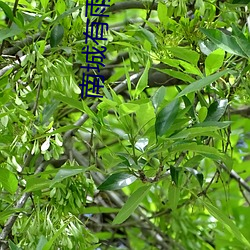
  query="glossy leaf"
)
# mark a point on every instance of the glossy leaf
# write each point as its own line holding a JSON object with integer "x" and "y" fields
{"x": 223, "y": 41}
{"x": 166, "y": 117}
{"x": 131, "y": 204}
{"x": 8, "y": 180}
{"x": 216, "y": 110}
{"x": 56, "y": 35}
{"x": 174, "y": 172}
{"x": 117, "y": 181}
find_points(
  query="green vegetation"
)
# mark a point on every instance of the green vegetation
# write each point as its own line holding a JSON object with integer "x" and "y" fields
{"x": 160, "y": 162}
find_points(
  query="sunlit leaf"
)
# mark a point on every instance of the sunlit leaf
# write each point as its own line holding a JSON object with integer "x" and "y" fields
{"x": 198, "y": 85}
{"x": 8, "y": 180}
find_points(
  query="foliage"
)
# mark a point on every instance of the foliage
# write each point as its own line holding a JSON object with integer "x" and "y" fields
{"x": 160, "y": 162}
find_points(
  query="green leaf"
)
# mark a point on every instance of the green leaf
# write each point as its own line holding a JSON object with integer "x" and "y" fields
{"x": 173, "y": 196}
{"x": 216, "y": 110}
{"x": 9, "y": 211}
{"x": 66, "y": 172}
{"x": 223, "y": 41}
{"x": 158, "y": 97}
{"x": 162, "y": 12}
{"x": 245, "y": 2}
{"x": 202, "y": 114}
{"x": 143, "y": 81}
{"x": 198, "y": 175}
{"x": 9, "y": 32}
{"x": 7, "y": 10}
{"x": 193, "y": 132}
{"x": 117, "y": 181}
{"x": 44, "y": 3}
{"x": 219, "y": 125}
{"x": 13, "y": 246}
{"x": 128, "y": 108}
{"x": 174, "y": 172}
{"x": 8, "y": 180}
{"x": 98, "y": 210}
{"x": 34, "y": 183}
{"x": 198, "y": 85}
{"x": 166, "y": 117}
{"x": 56, "y": 35}
{"x": 67, "y": 12}
{"x": 41, "y": 243}
{"x": 70, "y": 101}
{"x": 227, "y": 223}
{"x": 186, "y": 54}
{"x": 214, "y": 61}
{"x": 142, "y": 34}
{"x": 49, "y": 244}
{"x": 177, "y": 74}
{"x": 132, "y": 203}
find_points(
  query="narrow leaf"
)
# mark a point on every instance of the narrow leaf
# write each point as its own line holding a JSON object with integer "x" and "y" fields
{"x": 173, "y": 196}
{"x": 7, "y": 10}
{"x": 229, "y": 224}
{"x": 143, "y": 81}
{"x": 198, "y": 85}
{"x": 132, "y": 203}
{"x": 117, "y": 181}
{"x": 64, "y": 173}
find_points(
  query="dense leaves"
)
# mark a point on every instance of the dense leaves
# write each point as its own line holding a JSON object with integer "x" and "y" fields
{"x": 161, "y": 161}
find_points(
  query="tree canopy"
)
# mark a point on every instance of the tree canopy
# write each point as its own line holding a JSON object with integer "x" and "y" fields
{"x": 160, "y": 161}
